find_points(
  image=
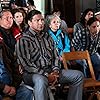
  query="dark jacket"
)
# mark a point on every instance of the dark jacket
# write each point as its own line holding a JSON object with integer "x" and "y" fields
{"x": 8, "y": 37}
{"x": 10, "y": 63}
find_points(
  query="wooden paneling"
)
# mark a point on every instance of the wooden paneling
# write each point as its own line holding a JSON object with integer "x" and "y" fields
{"x": 67, "y": 8}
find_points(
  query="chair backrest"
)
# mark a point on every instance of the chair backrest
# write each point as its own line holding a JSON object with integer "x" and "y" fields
{"x": 78, "y": 55}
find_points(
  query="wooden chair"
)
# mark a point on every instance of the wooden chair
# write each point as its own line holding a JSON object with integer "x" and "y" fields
{"x": 89, "y": 83}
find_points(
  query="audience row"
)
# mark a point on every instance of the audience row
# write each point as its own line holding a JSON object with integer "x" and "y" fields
{"x": 31, "y": 49}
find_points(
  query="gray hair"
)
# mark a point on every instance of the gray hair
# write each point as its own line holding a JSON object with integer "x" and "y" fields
{"x": 50, "y": 17}
{"x": 3, "y": 11}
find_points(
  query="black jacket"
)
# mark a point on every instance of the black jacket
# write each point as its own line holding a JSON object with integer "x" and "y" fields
{"x": 10, "y": 62}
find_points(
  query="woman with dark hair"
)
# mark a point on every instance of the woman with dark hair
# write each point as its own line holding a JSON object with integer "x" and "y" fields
{"x": 87, "y": 37}
{"x": 81, "y": 25}
{"x": 79, "y": 40}
{"x": 88, "y": 13}
{"x": 19, "y": 24}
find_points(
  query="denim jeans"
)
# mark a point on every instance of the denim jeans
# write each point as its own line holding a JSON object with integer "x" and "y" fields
{"x": 24, "y": 93}
{"x": 95, "y": 58}
{"x": 4, "y": 75}
{"x": 40, "y": 84}
{"x": 83, "y": 64}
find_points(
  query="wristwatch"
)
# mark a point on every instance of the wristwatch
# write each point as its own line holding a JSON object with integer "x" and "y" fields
{"x": 46, "y": 74}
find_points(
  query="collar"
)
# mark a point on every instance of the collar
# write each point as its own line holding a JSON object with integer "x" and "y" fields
{"x": 57, "y": 32}
{"x": 41, "y": 34}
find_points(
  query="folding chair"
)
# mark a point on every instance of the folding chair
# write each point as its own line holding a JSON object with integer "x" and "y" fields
{"x": 90, "y": 84}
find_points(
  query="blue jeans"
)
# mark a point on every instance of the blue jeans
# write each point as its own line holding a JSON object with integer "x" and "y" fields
{"x": 40, "y": 84}
{"x": 95, "y": 58}
{"x": 74, "y": 79}
{"x": 24, "y": 93}
{"x": 83, "y": 64}
{"x": 4, "y": 75}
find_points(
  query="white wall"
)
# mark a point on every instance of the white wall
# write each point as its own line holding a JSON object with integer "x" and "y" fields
{"x": 40, "y": 5}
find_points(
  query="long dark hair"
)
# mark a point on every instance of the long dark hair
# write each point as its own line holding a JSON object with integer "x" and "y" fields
{"x": 91, "y": 20}
{"x": 82, "y": 19}
{"x": 21, "y": 10}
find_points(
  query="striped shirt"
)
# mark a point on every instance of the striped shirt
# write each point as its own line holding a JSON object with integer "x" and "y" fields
{"x": 36, "y": 53}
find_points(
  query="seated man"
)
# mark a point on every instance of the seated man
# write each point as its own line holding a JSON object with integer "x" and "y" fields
{"x": 10, "y": 78}
{"x": 40, "y": 61}
{"x": 90, "y": 41}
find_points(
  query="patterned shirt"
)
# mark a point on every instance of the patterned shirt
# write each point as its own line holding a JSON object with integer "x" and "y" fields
{"x": 36, "y": 53}
{"x": 82, "y": 40}
{"x": 94, "y": 43}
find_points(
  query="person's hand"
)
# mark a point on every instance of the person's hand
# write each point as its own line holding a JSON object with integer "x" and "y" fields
{"x": 12, "y": 91}
{"x": 20, "y": 69}
{"x": 53, "y": 77}
{"x": 61, "y": 59}
{"x": 56, "y": 73}
{"x": 7, "y": 89}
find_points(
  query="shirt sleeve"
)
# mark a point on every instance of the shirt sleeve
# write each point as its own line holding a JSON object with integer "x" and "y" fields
{"x": 76, "y": 41}
{"x": 56, "y": 64}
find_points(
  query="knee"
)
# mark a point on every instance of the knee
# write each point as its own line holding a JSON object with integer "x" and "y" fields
{"x": 40, "y": 80}
{"x": 74, "y": 77}
{"x": 73, "y": 74}
{"x": 80, "y": 74}
{"x": 23, "y": 93}
{"x": 78, "y": 77}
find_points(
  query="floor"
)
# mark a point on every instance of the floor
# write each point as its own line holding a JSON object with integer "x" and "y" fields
{"x": 62, "y": 96}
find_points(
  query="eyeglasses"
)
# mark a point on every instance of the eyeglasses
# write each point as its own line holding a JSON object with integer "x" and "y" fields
{"x": 7, "y": 18}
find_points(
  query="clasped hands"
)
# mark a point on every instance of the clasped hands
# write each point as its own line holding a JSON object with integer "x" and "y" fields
{"x": 53, "y": 78}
